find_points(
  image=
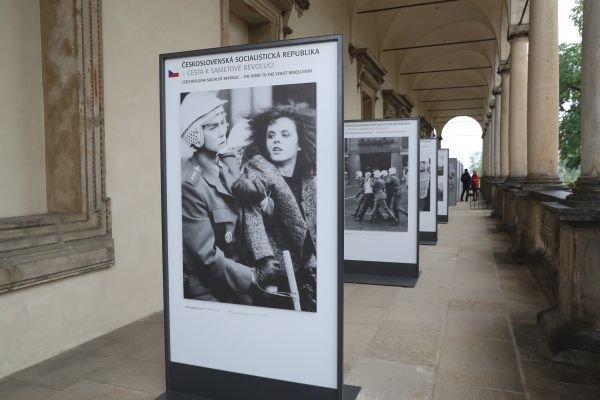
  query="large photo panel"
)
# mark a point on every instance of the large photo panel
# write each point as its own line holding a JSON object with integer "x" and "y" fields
{"x": 251, "y": 234}
{"x": 442, "y": 185}
{"x": 381, "y": 191}
{"x": 427, "y": 191}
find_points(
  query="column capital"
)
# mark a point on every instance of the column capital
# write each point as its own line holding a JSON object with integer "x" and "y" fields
{"x": 504, "y": 67}
{"x": 518, "y": 31}
{"x": 497, "y": 90}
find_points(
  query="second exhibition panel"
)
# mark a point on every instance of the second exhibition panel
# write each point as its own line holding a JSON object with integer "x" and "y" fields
{"x": 427, "y": 199}
{"x": 381, "y": 210}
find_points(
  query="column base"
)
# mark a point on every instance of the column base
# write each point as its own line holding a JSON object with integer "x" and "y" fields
{"x": 576, "y": 343}
{"x": 544, "y": 182}
{"x": 517, "y": 181}
{"x": 586, "y": 193}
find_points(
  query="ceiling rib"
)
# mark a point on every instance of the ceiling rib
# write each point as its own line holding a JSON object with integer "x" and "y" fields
{"x": 441, "y": 44}
{"x": 455, "y": 109}
{"x": 450, "y": 87}
{"x": 443, "y": 100}
{"x": 375, "y": 10}
{"x": 444, "y": 70}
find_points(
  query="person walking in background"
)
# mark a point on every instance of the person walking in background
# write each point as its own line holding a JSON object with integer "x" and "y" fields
{"x": 381, "y": 206}
{"x": 465, "y": 178}
{"x": 475, "y": 184}
{"x": 368, "y": 197}
{"x": 360, "y": 180}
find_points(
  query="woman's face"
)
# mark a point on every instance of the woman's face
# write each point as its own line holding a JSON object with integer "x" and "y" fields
{"x": 215, "y": 132}
{"x": 282, "y": 140}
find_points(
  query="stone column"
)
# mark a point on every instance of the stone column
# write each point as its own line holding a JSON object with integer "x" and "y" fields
{"x": 504, "y": 71}
{"x": 542, "y": 94}
{"x": 517, "y": 143}
{"x": 483, "y": 158}
{"x": 497, "y": 92}
{"x": 587, "y": 187}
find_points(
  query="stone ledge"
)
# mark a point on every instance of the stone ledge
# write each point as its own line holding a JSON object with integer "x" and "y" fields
{"x": 20, "y": 269}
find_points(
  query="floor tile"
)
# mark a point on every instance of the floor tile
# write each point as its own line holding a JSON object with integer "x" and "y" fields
{"x": 385, "y": 380}
{"x": 480, "y": 362}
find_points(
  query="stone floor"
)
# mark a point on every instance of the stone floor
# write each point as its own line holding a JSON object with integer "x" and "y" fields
{"x": 466, "y": 332}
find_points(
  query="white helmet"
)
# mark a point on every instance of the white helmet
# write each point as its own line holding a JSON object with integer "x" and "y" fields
{"x": 196, "y": 109}
{"x": 392, "y": 171}
{"x": 367, "y": 174}
{"x": 384, "y": 172}
{"x": 377, "y": 173}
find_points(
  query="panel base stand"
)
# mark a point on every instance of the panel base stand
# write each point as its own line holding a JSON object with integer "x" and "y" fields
{"x": 350, "y": 393}
{"x": 442, "y": 219}
{"x": 429, "y": 238}
{"x": 381, "y": 273}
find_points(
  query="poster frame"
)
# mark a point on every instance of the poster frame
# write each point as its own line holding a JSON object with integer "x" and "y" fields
{"x": 431, "y": 237}
{"x": 191, "y": 382}
{"x": 387, "y": 273}
{"x": 454, "y": 162}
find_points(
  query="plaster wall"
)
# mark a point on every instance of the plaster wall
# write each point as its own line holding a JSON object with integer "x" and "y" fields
{"x": 328, "y": 18}
{"x": 70, "y": 311}
{"x": 238, "y": 30}
{"x": 22, "y": 157}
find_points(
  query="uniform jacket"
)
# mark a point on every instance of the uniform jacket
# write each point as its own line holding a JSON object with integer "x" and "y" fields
{"x": 288, "y": 227}
{"x": 212, "y": 252}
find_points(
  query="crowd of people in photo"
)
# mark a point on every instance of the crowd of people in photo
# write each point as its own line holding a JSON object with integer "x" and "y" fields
{"x": 380, "y": 191}
{"x": 470, "y": 185}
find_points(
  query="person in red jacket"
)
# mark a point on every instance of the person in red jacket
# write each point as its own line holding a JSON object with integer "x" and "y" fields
{"x": 475, "y": 184}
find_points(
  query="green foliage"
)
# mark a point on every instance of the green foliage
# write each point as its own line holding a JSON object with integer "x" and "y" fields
{"x": 570, "y": 96}
{"x": 476, "y": 163}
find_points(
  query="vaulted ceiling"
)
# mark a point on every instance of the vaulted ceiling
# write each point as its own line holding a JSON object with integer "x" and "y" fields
{"x": 443, "y": 53}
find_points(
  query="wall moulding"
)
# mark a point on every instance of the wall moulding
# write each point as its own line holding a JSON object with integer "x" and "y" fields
{"x": 75, "y": 236}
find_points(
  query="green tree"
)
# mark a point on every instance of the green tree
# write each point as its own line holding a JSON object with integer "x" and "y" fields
{"x": 570, "y": 95}
{"x": 476, "y": 162}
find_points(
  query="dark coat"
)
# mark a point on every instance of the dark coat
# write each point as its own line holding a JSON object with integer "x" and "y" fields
{"x": 212, "y": 253}
{"x": 465, "y": 178}
{"x": 290, "y": 224}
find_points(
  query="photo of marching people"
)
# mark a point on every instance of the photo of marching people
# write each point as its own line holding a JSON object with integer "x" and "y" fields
{"x": 248, "y": 196}
{"x": 376, "y": 196}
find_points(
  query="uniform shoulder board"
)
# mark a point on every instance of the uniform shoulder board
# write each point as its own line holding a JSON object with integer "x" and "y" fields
{"x": 192, "y": 175}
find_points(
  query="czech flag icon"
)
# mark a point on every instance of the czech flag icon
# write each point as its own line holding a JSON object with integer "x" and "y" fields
{"x": 173, "y": 74}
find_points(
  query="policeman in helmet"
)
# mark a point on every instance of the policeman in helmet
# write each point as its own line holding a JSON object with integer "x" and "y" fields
{"x": 213, "y": 262}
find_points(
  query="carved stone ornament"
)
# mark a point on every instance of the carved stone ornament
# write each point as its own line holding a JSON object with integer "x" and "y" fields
{"x": 518, "y": 31}
{"x": 504, "y": 67}
{"x": 40, "y": 248}
{"x": 497, "y": 91}
{"x": 400, "y": 104}
{"x": 370, "y": 71}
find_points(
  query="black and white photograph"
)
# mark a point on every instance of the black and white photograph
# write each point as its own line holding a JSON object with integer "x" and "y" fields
{"x": 452, "y": 181}
{"x": 251, "y": 172}
{"x": 376, "y": 187}
{"x": 249, "y": 196}
{"x": 440, "y": 174}
{"x": 425, "y": 184}
{"x": 443, "y": 194}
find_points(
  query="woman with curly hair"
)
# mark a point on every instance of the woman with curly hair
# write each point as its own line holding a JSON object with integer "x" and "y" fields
{"x": 278, "y": 190}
